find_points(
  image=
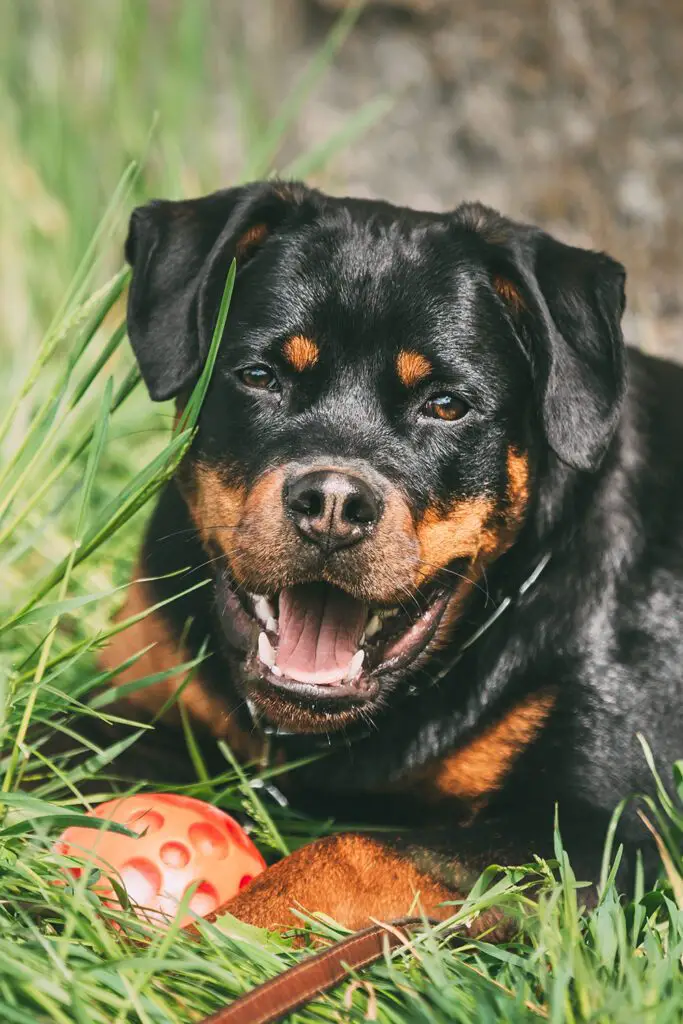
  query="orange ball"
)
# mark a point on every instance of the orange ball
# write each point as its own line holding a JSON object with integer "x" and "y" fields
{"x": 185, "y": 842}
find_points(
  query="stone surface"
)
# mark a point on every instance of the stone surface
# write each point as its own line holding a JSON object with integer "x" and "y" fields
{"x": 565, "y": 112}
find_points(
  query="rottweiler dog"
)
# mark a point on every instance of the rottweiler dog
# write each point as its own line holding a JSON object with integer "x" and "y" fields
{"x": 439, "y": 507}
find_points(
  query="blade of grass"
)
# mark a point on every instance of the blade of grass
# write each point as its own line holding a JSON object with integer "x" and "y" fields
{"x": 61, "y": 323}
{"x": 126, "y": 388}
{"x": 353, "y": 128}
{"x": 94, "y": 456}
{"x": 258, "y": 809}
{"x": 145, "y": 484}
{"x": 190, "y": 414}
{"x": 262, "y": 158}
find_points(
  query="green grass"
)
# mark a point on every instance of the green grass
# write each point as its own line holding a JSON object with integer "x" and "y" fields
{"x": 82, "y": 453}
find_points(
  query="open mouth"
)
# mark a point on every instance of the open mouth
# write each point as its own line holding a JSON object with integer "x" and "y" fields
{"x": 318, "y": 642}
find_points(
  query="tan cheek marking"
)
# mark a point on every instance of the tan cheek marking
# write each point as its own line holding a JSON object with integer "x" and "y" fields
{"x": 215, "y": 503}
{"x": 301, "y": 352}
{"x": 461, "y": 532}
{"x": 518, "y": 484}
{"x": 254, "y": 236}
{"x": 166, "y": 653}
{"x": 480, "y": 768}
{"x": 509, "y": 293}
{"x": 261, "y": 549}
{"x": 412, "y": 367}
{"x": 477, "y": 529}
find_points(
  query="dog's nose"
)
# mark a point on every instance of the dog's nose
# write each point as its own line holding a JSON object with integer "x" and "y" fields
{"x": 332, "y": 509}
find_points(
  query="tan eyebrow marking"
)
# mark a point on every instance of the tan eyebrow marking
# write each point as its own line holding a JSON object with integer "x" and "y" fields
{"x": 301, "y": 352}
{"x": 509, "y": 293}
{"x": 412, "y": 367}
{"x": 250, "y": 238}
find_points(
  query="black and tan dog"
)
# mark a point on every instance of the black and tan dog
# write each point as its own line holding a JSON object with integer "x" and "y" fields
{"x": 441, "y": 533}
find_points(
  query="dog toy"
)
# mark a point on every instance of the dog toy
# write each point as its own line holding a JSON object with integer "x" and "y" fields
{"x": 181, "y": 843}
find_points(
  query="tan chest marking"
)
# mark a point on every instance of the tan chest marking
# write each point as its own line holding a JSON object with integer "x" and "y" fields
{"x": 479, "y": 768}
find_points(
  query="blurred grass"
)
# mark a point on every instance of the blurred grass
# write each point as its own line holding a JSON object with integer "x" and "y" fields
{"x": 86, "y": 88}
{"x": 81, "y": 87}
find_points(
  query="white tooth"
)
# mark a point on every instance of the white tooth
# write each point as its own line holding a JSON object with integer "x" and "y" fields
{"x": 275, "y": 670}
{"x": 265, "y": 650}
{"x": 263, "y": 609}
{"x": 355, "y": 665}
{"x": 271, "y": 624}
{"x": 373, "y": 626}
{"x": 260, "y": 609}
{"x": 386, "y": 613}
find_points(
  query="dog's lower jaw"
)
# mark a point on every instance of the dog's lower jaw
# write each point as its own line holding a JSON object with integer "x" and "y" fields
{"x": 284, "y": 696}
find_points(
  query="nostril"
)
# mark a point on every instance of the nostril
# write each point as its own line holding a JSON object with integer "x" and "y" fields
{"x": 358, "y": 511}
{"x": 309, "y": 503}
{"x": 332, "y": 509}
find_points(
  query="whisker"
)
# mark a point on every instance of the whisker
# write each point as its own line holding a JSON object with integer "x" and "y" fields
{"x": 486, "y": 586}
{"x": 466, "y": 579}
{"x": 193, "y": 529}
{"x": 402, "y": 587}
{"x": 202, "y": 565}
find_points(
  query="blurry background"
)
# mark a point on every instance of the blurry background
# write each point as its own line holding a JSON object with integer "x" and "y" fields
{"x": 565, "y": 112}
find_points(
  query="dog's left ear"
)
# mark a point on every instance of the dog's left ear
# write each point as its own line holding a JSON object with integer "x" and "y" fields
{"x": 568, "y": 304}
{"x": 579, "y": 362}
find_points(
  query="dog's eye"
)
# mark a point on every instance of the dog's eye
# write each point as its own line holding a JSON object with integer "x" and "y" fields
{"x": 261, "y": 377}
{"x": 445, "y": 407}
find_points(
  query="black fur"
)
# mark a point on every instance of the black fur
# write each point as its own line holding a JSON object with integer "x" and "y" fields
{"x": 545, "y": 375}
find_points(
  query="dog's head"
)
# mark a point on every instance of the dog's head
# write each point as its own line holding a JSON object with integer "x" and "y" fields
{"x": 387, "y": 387}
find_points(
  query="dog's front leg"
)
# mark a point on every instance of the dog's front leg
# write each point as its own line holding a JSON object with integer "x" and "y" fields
{"x": 352, "y": 878}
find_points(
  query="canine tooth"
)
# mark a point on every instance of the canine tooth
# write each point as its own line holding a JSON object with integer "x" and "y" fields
{"x": 271, "y": 624}
{"x": 374, "y": 625}
{"x": 355, "y": 665}
{"x": 265, "y": 650}
{"x": 260, "y": 608}
{"x": 275, "y": 670}
{"x": 386, "y": 613}
{"x": 263, "y": 609}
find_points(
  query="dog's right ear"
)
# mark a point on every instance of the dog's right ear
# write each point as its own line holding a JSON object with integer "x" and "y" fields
{"x": 180, "y": 253}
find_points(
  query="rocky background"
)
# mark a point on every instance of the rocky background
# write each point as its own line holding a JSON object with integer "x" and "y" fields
{"x": 565, "y": 112}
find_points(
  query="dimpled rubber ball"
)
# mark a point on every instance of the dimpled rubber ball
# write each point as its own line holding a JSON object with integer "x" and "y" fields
{"x": 182, "y": 843}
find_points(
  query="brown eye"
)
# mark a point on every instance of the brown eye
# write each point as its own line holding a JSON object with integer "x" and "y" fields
{"x": 445, "y": 407}
{"x": 260, "y": 377}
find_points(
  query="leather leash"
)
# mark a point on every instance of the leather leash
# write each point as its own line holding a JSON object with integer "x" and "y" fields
{"x": 296, "y": 986}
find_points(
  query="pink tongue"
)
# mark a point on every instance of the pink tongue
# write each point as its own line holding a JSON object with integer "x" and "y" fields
{"x": 320, "y": 631}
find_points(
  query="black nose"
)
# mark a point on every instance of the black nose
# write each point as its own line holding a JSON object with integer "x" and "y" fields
{"x": 332, "y": 509}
